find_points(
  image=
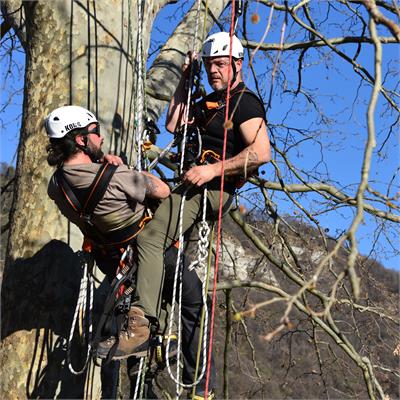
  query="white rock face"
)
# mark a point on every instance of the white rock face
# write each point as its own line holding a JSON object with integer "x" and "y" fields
{"x": 297, "y": 250}
{"x": 316, "y": 256}
{"x": 236, "y": 263}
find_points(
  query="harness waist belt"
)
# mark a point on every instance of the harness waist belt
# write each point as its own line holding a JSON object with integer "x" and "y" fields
{"x": 119, "y": 236}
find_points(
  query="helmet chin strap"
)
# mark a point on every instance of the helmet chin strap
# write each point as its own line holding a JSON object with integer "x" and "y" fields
{"x": 87, "y": 150}
{"x": 234, "y": 72}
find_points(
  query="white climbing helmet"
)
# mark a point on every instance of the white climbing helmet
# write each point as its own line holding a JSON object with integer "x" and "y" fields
{"x": 65, "y": 119}
{"x": 217, "y": 45}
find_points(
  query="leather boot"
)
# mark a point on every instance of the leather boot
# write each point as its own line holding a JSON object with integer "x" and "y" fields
{"x": 134, "y": 340}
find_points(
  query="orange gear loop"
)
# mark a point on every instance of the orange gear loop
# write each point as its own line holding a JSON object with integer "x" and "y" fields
{"x": 209, "y": 153}
{"x": 144, "y": 221}
{"x": 146, "y": 145}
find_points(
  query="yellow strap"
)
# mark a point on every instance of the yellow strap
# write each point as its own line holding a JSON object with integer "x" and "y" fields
{"x": 159, "y": 354}
{"x": 198, "y": 397}
{"x": 172, "y": 336}
{"x": 211, "y": 105}
{"x": 144, "y": 221}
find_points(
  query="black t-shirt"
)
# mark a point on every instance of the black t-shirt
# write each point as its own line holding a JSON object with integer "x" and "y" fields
{"x": 243, "y": 106}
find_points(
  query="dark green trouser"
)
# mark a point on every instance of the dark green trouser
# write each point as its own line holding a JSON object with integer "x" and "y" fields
{"x": 159, "y": 234}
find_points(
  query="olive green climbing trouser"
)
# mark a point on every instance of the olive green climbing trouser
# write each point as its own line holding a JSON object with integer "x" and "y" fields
{"x": 160, "y": 233}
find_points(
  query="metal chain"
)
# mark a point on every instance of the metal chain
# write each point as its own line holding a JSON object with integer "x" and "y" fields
{"x": 203, "y": 244}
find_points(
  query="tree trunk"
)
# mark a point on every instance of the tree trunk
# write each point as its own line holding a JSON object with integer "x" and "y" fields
{"x": 84, "y": 53}
{"x": 76, "y": 53}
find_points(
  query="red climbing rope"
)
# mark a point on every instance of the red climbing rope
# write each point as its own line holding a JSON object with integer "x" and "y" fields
{"x": 231, "y": 32}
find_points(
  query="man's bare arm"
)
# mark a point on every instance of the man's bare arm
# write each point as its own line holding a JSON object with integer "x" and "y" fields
{"x": 177, "y": 105}
{"x": 243, "y": 163}
{"x": 257, "y": 152}
{"x": 155, "y": 187}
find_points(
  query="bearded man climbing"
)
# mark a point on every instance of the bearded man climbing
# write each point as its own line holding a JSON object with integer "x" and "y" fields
{"x": 105, "y": 200}
{"x": 247, "y": 148}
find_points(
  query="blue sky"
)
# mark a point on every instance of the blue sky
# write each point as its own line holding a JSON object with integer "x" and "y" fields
{"x": 339, "y": 94}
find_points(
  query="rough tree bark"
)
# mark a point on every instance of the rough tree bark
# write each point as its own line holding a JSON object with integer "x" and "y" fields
{"x": 77, "y": 52}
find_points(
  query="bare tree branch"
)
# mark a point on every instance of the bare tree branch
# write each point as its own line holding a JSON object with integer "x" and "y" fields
{"x": 314, "y": 43}
{"x": 370, "y": 145}
{"x": 13, "y": 13}
{"x": 379, "y": 18}
{"x": 338, "y": 196}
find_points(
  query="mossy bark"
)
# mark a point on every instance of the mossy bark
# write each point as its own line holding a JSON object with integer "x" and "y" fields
{"x": 74, "y": 55}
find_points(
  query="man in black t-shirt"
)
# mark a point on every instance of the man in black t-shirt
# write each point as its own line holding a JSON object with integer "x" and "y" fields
{"x": 247, "y": 141}
{"x": 247, "y": 148}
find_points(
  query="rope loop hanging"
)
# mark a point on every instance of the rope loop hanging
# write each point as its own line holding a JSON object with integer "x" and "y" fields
{"x": 140, "y": 379}
{"x": 84, "y": 307}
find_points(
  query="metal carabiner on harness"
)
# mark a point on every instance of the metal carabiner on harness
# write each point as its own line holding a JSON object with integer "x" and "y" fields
{"x": 87, "y": 218}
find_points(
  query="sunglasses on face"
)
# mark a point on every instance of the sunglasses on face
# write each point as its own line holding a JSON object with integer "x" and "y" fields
{"x": 95, "y": 130}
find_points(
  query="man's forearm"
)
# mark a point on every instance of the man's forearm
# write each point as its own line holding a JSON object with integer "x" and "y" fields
{"x": 242, "y": 164}
{"x": 177, "y": 106}
{"x": 155, "y": 187}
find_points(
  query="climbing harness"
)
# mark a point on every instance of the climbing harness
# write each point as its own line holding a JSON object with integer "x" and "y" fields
{"x": 84, "y": 202}
{"x": 118, "y": 302}
{"x": 91, "y": 196}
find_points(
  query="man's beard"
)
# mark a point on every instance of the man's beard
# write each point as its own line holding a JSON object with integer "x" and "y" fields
{"x": 95, "y": 153}
{"x": 220, "y": 87}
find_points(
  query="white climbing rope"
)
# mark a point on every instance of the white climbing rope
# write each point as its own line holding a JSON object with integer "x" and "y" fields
{"x": 139, "y": 98}
{"x": 203, "y": 244}
{"x": 83, "y": 306}
{"x": 203, "y": 232}
{"x": 138, "y": 81}
{"x": 139, "y": 378}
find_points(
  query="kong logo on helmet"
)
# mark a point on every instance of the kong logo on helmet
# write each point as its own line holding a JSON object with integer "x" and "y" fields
{"x": 73, "y": 125}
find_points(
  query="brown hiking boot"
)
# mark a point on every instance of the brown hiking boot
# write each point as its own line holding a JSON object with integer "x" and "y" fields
{"x": 104, "y": 347}
{"x": 134, "y": 340}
